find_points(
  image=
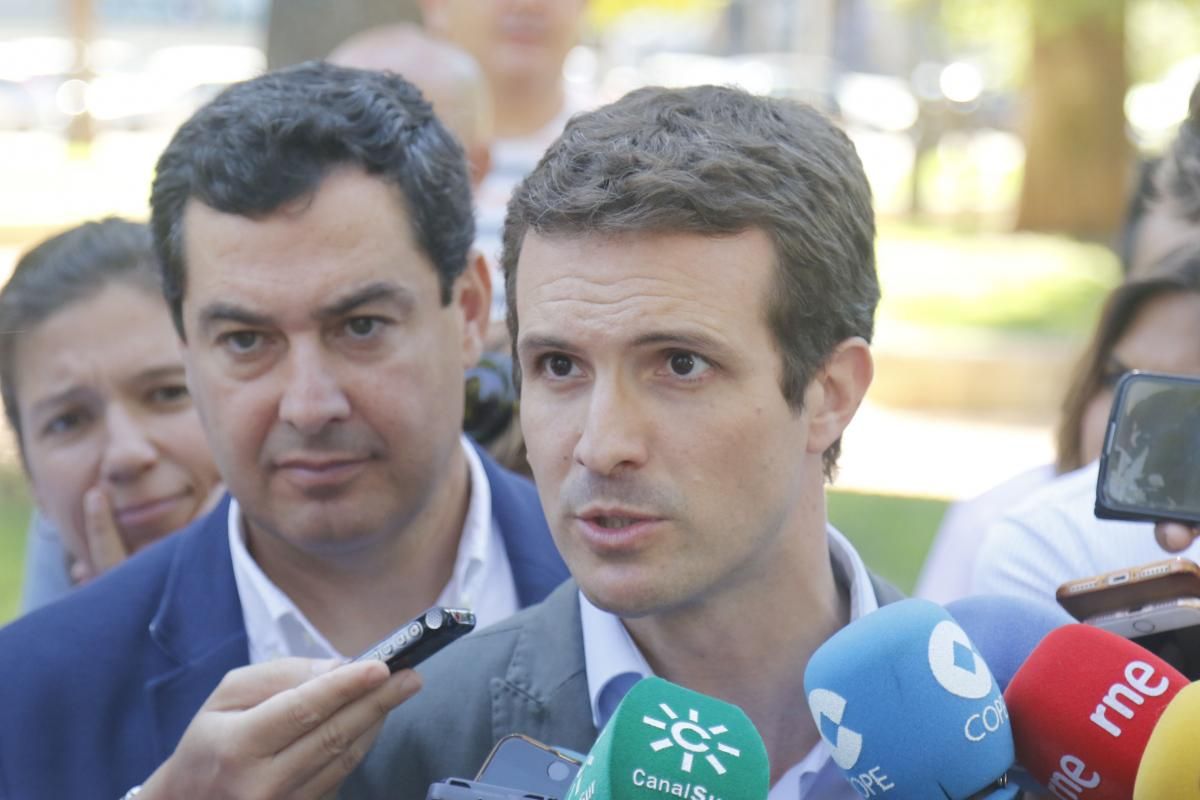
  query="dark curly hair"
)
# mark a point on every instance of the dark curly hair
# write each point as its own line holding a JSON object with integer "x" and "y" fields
{"x": 267, "y": 141}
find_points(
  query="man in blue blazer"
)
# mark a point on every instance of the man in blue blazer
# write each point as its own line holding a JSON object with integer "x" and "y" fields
{"x": 314, "y": 228}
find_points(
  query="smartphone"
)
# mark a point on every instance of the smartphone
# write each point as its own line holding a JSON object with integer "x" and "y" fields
{"x": 1150, "y": 463}
{"x": 1130, "y": 588}
{"x": 527, "y": 764}
{"x": 1170, "y": 629}
{"x": 460, "y": 789}
{"x": 420, "y": 637}
{"x": 1160, "y": 617}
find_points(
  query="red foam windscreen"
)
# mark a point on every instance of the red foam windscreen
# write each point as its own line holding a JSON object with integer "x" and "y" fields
{"x": 1083, "y": 707}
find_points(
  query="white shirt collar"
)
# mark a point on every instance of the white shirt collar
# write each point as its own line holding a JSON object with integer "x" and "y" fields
{"x": 614, "y": 664}
{"x": 481, "y": 579}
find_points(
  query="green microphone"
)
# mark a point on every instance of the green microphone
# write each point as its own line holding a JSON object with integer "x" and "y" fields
{"x": 665, "y": 740}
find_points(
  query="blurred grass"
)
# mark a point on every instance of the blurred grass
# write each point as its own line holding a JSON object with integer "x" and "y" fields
{"x": 1017, "y": 283}
{"x": 892, "y": 534}
{"x": 14, "y": 518}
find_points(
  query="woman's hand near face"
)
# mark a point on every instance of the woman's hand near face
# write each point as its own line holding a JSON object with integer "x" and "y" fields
{"x": 101, "y": 536}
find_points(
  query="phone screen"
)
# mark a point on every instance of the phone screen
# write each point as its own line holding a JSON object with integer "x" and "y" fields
{"x": 525, "y": 764}
{"x": 1150, "y": 468}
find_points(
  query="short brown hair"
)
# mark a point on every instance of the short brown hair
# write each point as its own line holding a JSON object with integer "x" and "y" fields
{"x": 719, "y": 161}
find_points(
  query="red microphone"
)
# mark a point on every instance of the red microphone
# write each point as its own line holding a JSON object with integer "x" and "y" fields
{"x": 1083, "y": 706}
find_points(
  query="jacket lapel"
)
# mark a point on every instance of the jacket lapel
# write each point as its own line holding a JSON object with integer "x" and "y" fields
{"x": 537, "y": 567}
{"x": 547, "y": 671}
{"x": 197, "y": 628}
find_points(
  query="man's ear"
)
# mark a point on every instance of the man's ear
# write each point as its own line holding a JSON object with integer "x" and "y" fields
{"x": 473, "y": 296}
{"x": 836, "y": 392}
{"x": 479, "y": 163}
{"x": 433, "y": 14}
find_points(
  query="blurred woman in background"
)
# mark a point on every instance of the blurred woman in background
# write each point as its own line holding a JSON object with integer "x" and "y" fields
{"x": 1150, "y": 323}
{"x": 93, "y": 386}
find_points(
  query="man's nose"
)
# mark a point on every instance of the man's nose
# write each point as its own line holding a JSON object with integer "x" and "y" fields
{"x": 614, "y": 432}
{"x": 312, "y": 397}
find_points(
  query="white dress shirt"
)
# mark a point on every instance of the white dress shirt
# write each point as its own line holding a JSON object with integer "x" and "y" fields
{"x": 1054, "y": 537}
{"x": 482, "y": 580}
{"x": 614, "y": 664}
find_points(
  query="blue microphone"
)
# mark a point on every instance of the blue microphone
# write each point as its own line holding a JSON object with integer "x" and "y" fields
{"x": 1006, "y": 629}
{"x": 909, "y": 707}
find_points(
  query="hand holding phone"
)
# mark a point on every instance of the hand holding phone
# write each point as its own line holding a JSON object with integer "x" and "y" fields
{"x": 420, "y": 637}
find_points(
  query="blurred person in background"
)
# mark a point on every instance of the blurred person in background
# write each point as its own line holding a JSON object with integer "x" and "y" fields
{"x": 94, "y": 389}
{"x": 447, "y": 75}
{"x": 1170, "y": 215}
{"x": 1180, "y": 182}
{"x": 1146, "y": 324}
{"x": 521, "y": 46}
{"x": 1164, "y": 218}
{"x": 1151, "y": 323}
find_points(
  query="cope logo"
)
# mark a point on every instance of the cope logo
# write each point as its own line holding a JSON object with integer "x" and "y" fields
{"x": 846, "y": 743}
{"x": 955, "y": 664}
{"x": 691, "y": 737}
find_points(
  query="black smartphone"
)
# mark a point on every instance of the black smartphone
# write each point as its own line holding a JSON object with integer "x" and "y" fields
{"x": 525, "y": 763}
{"x": 460, "y": 789}
{"x": 420, "y": 637}
{"x": 1150, "y": 464}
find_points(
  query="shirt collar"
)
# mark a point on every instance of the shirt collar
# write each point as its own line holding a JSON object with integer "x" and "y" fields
{"x": 276, "y": 627}
{"x": 614, "y": 663}
{"x": 477, "y": 544}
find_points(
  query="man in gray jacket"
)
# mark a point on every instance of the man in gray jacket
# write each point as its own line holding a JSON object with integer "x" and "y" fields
{"x": 691, "y": 284}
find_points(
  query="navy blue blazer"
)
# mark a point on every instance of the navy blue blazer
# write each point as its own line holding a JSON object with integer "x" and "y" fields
{"x": 97, "y": 689}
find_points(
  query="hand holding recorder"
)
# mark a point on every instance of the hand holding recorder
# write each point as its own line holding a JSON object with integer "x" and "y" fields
{"x": 289, "y": 728}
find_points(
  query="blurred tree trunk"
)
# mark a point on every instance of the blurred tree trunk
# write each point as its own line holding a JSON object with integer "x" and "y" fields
{"x": 81, "y": 22}
{"x": 1077, "y": 154}
{"x": 299, "y": 30}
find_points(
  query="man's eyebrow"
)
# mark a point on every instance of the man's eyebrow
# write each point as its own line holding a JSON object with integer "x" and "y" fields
{"x": 698, "y": 342}
{"x": 371, "y": 293}
{"x": 684, "y": 341}
{"x": 220, "y": 311}
{"x": 537, "y": 341}
{"x": 160, "y": 372}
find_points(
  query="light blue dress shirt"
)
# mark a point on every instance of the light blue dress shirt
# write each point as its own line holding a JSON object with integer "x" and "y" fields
{"x": 614, "y": 664}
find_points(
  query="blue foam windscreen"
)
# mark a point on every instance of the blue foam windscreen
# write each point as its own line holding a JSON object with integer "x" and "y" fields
{"x": 1006, "y": 629}
{"x": 909, "y": 706}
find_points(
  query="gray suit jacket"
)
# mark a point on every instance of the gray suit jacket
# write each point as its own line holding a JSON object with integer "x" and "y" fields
{"x": 524, "y": 675}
